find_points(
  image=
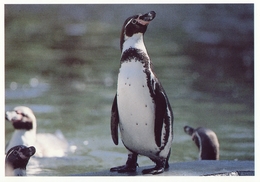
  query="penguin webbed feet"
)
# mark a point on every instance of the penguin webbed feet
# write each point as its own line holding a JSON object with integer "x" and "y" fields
{"x": 124, "y": 168}
{"x": 159, "y": 168}
{"x": 130, "y": 165}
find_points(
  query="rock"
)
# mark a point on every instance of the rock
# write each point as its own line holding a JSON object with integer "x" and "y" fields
{"x": 193, "y": 168}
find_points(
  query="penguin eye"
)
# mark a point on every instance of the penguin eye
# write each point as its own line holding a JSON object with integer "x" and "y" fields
{"x": 24, "y": 115}
{"x": 134, "y": 21}
{"x": 15, "y": 153}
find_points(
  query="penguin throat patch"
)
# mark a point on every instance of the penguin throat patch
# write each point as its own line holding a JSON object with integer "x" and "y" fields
{"x": 23, "y": 125}
{"x": 136, "y": 54}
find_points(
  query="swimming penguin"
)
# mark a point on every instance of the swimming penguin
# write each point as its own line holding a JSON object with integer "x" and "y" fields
{"x": 24, "y": 123}
{"x": 16, "y": 160}
{"x": 206, "y": 140}
{"x": 140, "y": 108}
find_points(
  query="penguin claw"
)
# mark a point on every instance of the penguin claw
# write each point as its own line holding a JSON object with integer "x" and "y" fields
{"x": 123, "y": 169}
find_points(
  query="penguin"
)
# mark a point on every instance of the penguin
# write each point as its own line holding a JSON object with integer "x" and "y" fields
{"x": 17, "y": 159}
{"x": 141, "y": 108}
{"x": 24, "y": 123}
{"x": 206, "y": 140}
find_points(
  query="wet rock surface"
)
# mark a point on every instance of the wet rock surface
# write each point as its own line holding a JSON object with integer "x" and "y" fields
{"x": 194, "y": 168}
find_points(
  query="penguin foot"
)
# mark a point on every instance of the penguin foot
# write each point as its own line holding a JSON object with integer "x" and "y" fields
{"x": 159, "y": 168}
{"x": 130, "y": 165}
{"x": 155, "y": 170}
{"x": 124, "y": 168}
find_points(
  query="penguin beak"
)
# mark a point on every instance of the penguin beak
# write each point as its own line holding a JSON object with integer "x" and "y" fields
{"x": 146, "y": 18}
{"x": 32, "y": 151}
{"x": 189, "y": 130}
{"x": 8, "y": 116}
{"x": 28, "y": 152}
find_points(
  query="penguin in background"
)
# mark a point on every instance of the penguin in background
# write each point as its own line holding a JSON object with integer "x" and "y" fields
{"x": 140, "y": 108}
{"x": 206, "y": 140}
{"x": 25, "y": 125}
{"x": 17, "y": 159}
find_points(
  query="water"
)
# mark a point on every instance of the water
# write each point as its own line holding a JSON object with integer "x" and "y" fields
{"x": 64, "y": 67}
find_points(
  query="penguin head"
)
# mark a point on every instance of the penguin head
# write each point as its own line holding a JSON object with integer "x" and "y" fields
{"x": 189, "y": 130}
{"x": 136, "y": 24}
{"x": 22, "y": 118}
{"x": 18, "y": 156}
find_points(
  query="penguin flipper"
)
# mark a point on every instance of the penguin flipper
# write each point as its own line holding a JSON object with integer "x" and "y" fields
{"x": 162, "y": 116}
{"x": 114, "y": 121}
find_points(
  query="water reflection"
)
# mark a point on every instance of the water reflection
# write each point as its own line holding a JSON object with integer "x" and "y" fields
{"x": 26, "y": 91}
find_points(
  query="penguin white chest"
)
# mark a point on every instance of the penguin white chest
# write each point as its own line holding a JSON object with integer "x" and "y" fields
{"x": 136, "y": 108}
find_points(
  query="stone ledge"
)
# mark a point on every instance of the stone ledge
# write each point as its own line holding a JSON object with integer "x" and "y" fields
{"x": 193, "y": 168}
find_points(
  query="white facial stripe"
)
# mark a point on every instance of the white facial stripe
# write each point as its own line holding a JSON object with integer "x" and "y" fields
{"x": 22, "y": 155}
{"x": 142, "y": 22}
{"x": 128, "y": 22}
{"x": 9, "y": 153}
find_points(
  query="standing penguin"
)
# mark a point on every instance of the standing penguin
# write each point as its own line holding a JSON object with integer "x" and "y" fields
{"x": 206, "y": 140}
{"x": 141, "y": 108}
